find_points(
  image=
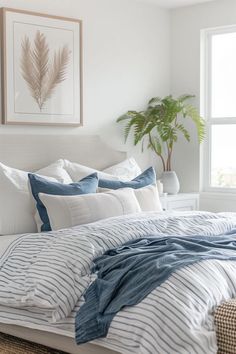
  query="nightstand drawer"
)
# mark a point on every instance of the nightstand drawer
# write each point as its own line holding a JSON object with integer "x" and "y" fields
{"x": 180, "y": 202}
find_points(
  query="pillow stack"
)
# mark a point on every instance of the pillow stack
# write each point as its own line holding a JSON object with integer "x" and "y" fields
{"x": 16, "y": 203}
{"x": 40, "y": 185}
{"x": 116, "y": 198}
{"x": 65, "y": 195}
{"x": 144, "y": 187}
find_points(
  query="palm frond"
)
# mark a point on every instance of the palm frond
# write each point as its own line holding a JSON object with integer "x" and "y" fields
{"x": 183, "y": 130}
{"x": 41, "y": 77}
{"x": 128, "y": 115}
{"x": 168, "y": 133}
{"x": 154, "y": 101}
{"x": 40, "y": 60}
{"x": 57, "y": 73}
{"x": 185, "y": 97}
{"x": 127, "y": 129}
{"x": 27, "y": 68}
{"x": 137, "y": 122}
{"x": 192, "y": 113}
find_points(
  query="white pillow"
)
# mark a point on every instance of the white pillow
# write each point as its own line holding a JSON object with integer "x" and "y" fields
{"x": 17, "y": 207}
{"x": 148, "y": 198}
{"x": 77, "y": 171}
{"x": 68, "y": 211}
{"x": 57, "y": 171}
{"x": 124, "y": 171}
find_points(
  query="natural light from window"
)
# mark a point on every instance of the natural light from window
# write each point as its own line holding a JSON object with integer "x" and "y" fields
{"x": 223, "y": 156}
{"x": 220, "y": 110}
{"x": 223, "y": 75}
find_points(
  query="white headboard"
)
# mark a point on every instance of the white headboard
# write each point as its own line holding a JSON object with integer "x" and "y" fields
{"x": 31, "y": 152}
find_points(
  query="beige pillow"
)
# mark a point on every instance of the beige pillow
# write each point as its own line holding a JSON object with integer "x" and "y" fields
{"x": 148, "y": 198}
{"x": 68, "y": 211}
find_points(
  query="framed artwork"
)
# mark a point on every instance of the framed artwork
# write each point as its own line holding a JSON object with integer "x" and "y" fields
{"x": 41, "y": 69}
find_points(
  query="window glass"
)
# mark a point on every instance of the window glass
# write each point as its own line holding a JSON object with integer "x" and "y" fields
{"x": 223, "y": 75}
{"x": 223, "y": 155}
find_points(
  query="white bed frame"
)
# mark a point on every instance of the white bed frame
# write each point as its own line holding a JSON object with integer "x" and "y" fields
{"x": 32, "y": 152}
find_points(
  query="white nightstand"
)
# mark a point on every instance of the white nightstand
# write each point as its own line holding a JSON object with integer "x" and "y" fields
{"x": 181, "y": 201}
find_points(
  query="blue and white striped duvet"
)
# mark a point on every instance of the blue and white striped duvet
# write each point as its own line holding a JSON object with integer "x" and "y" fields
{"x": 43, "y": 275}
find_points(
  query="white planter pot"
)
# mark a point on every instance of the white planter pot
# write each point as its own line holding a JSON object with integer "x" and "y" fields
{"x": 170, "y": 182}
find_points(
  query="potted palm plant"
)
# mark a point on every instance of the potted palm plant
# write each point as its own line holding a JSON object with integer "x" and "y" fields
{"x": 159, "y": 126}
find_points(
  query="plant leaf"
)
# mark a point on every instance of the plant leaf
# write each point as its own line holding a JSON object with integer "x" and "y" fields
{"x": 154, "y": 100}
{"x": 192, "y": 113}
{"x": 185, "y": 97}
{"x": 183, "y": 130}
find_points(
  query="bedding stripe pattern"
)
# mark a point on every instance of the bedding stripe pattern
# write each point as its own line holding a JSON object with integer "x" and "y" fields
{"x": 166, "y": 321}
{"x": 127, "y": 274}
{"x": 126, "y": 333}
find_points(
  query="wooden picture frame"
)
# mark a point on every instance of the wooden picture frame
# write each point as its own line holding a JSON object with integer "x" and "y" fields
{"x": 41, "y": 61}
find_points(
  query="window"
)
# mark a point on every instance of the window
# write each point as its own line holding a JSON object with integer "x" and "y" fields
{"x": 219, "y": 108}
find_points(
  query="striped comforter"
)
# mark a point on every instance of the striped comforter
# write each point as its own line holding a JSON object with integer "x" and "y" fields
{"x": 43, "y": 277}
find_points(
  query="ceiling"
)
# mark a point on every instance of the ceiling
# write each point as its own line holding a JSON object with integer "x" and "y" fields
{"x": 176, "y": 3}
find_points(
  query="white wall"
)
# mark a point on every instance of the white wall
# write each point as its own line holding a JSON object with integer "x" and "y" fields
{"x": 126, "y": 61}
{"x": 185, "y": 78}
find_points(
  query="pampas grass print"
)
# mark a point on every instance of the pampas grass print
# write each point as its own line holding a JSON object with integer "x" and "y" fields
{"x": 41, "y": 74}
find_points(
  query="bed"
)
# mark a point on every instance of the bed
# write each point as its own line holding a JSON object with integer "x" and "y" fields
{"x": 31, "y": 152}
{"x": 151, "y": 326}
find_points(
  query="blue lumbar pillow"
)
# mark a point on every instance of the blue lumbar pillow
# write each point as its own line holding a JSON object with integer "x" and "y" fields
{"x": 145, "y": 179}
{"x": 39, "y": 184}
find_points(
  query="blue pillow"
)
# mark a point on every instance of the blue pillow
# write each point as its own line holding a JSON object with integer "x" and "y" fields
{"x": 38, "y": 185}
{"x": 145, "y": 179}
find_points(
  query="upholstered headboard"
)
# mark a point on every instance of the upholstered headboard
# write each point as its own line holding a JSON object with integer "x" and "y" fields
{"x": 31, "y": 152}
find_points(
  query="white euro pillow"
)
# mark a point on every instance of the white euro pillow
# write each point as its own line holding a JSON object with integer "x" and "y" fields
{"x": 78, "y": 172}
{"x": 69, "y": 211}
{"x": 17, "y": 207}
{"x": 124, "y": 171}
{"x": 56, "y": 170}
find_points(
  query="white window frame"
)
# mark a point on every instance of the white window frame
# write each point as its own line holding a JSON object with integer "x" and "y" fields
{"x": 206, "y": 109}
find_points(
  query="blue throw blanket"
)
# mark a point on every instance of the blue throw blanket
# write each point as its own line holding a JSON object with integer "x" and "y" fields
{"x": 126, "y": 275}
